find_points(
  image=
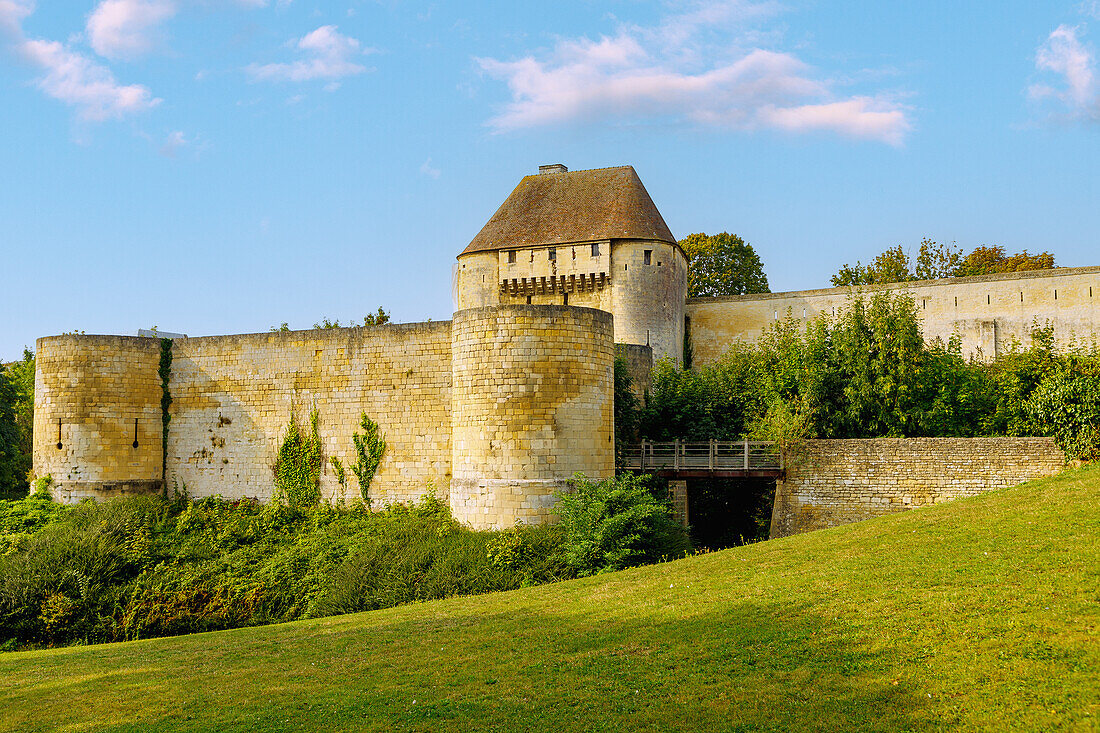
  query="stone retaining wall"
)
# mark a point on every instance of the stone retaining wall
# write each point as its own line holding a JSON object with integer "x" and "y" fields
{"x": 834, "y": 482}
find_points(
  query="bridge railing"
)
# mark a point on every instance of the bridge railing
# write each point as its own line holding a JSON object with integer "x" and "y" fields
{"x": 713, "y": 455}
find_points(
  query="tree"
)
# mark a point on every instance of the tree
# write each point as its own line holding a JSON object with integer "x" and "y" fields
{"x": 626, "y": 408}
{"x": 722, "y": 264}
{"x": 892, "y": 266}
{"x": 21, "y": 374}
{"x": 376, "y": 319}
{"x": 14, "y": 460}
{"x": 990, "y": 260}
{"x": 937, "y": 260}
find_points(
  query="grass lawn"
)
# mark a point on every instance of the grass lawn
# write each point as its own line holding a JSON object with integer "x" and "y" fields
{"x": 982, "y": 613}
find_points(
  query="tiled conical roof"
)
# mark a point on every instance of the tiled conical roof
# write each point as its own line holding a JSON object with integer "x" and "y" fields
{"x": 575, "y": 206}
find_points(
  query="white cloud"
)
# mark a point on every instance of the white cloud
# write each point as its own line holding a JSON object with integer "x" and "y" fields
{"x": 126, "y": 29}
{"x": 859, "y": 117}
{"x": 429, "y": 170}
{"x": 1092, "y": 8}
{"x": 173, "y": 143}
{"x": 1064, "y": 55}
{"x": 12, "y": 13}
{"x": 681, "y": 71}
{"x": 69, "y": 76}
{"x": 328, "y": 55}
{"x": 84, "y": 84}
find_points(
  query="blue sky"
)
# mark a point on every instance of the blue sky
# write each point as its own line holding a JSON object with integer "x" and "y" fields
{"x": 222, "y": 166}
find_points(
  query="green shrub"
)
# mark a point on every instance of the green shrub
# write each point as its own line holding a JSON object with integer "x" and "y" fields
{"x": 1067, "y": 406}
{"x": 147, "y": 566}
{"x": 617, "y": 523}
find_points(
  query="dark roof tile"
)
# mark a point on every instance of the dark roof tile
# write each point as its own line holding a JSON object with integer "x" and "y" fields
{"x": 578, "y": 206}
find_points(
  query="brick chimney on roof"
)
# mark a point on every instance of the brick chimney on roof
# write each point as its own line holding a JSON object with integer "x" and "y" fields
{"x": 553, "y": 168}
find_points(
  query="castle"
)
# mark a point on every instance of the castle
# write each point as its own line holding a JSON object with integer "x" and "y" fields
{"x": 496, "y": 409}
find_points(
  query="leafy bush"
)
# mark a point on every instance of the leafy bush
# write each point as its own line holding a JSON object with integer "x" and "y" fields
{"x": 866, "y": 373}
{"x": 617, "y": 523}
{"x": 147, "y": 566}
{"x": 1067, "y": 406}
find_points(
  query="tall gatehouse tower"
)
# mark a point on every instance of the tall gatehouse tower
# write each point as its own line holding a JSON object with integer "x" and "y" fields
{"x": 590, "y": 238}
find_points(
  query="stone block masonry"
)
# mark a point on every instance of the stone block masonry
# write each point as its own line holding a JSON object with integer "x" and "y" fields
{"x": 533, "y": 404}
{"x": 834, "y": 482}
{"x": 639, "y": 365}
{"x": 97, "y": 415}
{"x": 989, "y": 313}
{"x": 232, "y": 397}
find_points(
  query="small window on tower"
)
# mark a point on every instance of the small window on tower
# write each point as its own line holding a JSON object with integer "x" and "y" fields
{"x": 647, "y": 257}
{"x": 595, "y": 249}
{"x": 511, "y": 257}
{"x": 553, "y": 254}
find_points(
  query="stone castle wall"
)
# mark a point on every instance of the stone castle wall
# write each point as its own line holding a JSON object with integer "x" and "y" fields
{"x": 989, "y": 313}
{"x": 532, "y": 404}
{"x": 647, "y": 298}
{"x": 232, "y": 397}
{"x": 639, "y": 365}
{"x": 94, "y": 398}
{"x": 834, "y": 482}
{"x": 643, "y": 283}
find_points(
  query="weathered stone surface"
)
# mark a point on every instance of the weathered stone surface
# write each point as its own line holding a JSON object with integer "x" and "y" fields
{"x": 834, "y": 482}
{"x": 232, "y": 397}
{"x": 94, "y": 397}
{"x": 989, "y": 313}
{"x": 645, "y": 292}
{"x": 639, "y": 365}
{"x": 532, "y": 405}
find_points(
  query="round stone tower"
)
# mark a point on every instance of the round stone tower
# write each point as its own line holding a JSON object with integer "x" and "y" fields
{"x": 532, "y": 404}
{"x": 97, "y": 415}
{"x": 592, "y": 238}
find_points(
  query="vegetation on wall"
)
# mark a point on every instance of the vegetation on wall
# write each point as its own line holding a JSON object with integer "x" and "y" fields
{"x": 935, "y": 260}
{"x": 298, "y": 464}
{"x": 722, "y": 264}
{"x": 378, "y": 318}
{"x": 369, "y": 449}
{"x": 867, "y": 373}
{"x": 626, "y": 407}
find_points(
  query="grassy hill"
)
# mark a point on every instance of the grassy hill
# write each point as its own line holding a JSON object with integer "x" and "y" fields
{"x": 983, "y": 614}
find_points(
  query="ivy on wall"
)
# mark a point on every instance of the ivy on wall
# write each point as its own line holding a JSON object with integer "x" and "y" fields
{"x": 369, "y": 448}
{"x": 298, "y": 466}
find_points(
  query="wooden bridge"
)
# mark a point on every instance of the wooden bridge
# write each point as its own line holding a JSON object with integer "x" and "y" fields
{"x": 710, "y": 459}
